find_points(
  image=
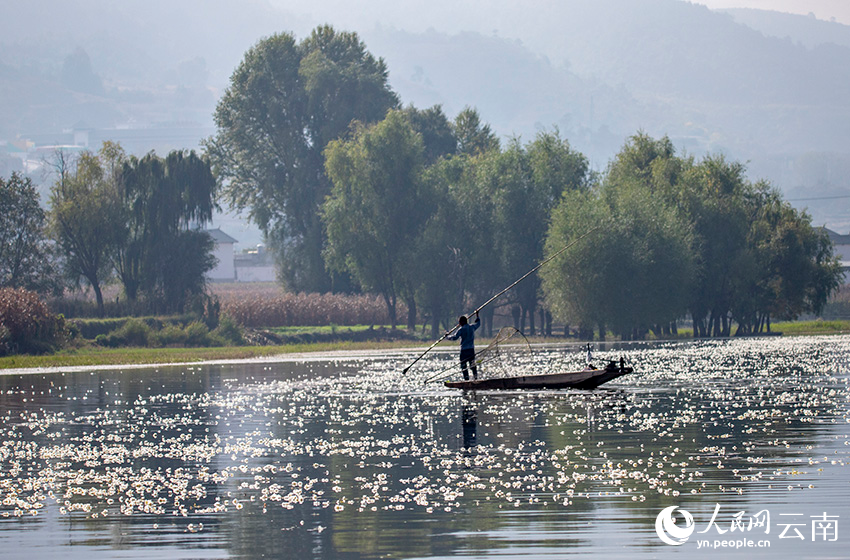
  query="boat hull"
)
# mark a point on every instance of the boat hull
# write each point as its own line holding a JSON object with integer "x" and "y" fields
{"x": 587, "y": 379}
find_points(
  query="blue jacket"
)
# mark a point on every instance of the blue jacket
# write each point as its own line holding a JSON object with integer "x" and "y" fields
{"x": 466, "y": 334}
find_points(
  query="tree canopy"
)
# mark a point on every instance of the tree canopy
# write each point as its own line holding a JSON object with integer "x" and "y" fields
{"x": 136, "y": 218}
{"x": 164, "y": 202}
{"x": 285, "y": 103}
{"x": 355, "y": 192}
{"x": 683, "y": 237}
{"x": 85, "y": 217}
{"x": 377, "y": 207}
{"x": 24, "y": 253}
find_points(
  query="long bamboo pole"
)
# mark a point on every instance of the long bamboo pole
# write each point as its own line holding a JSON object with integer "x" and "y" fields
{"x": 489, "y": 301}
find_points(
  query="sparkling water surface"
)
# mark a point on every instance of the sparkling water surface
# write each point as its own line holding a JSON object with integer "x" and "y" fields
{"x": 341, "y": 456}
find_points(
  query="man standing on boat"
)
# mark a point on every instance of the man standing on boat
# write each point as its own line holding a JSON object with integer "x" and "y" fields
{"x": 466, "y": 334}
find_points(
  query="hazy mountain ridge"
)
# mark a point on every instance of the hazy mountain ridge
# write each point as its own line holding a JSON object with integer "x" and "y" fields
{"x": 806, "y": 30}
{"x": 659, "y": 51}
{"x": 598, "y": 71}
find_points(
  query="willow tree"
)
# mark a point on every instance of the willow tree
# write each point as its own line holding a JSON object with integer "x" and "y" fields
{"x": 631, "y": 274}
{"x": 789, "y": 267}
{"x": 285, "y": 103}
{"x": 164, "y": 203}
{"x": 524, "y": 184}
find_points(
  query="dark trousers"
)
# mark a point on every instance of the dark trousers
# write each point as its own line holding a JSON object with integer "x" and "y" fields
{"x": 467, "y": 357}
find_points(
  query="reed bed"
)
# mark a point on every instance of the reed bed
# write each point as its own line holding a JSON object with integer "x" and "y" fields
{"x": 267, "y": 305}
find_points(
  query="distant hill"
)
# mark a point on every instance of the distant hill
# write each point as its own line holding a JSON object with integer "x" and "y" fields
{"x": 806, "y": 30}
{"x": 769, "y": 89}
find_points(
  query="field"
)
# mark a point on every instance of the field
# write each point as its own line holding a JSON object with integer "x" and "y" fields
{"x": 268, "y": 305}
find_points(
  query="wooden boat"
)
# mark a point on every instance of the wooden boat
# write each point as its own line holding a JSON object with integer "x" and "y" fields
{"x": 585, "y": 379}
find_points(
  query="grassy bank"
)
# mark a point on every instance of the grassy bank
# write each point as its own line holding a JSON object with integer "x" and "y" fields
{"x": 95, "y": 356}
{"x": 799, "y": 328}
{"x": 126, "y": 356}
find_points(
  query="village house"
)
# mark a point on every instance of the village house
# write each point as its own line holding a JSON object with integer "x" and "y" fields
{"x": 253, "y": 265}
{"x": 224, "y": 270}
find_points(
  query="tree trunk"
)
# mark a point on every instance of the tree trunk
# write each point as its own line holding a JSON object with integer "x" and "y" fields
{"x": 411, "y": 315}
{"x": 390, "y": 303}
{"x": 530, "y": 312}
{"x": 487, "y": 316}
{"x": 542, "y": 321}
{"x": 98, "y": 294}
{"x": 699, "y": 325}
{"x": 435, "y": 326}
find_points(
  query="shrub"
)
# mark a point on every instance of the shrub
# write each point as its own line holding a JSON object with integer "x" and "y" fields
{"x": 197, "y": 334}
{"x": 228, "y": 331}
{"x": 133, "y": 332}
{"x": 171, "y": 335}
{"x": 93, "y": 328}
{"x": 27, "y": 325}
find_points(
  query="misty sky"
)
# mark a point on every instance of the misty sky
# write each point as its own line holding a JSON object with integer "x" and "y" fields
{"x": 823, "y": 9}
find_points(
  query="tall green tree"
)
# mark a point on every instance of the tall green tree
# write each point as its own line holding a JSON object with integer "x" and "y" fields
{"x": 85, "y": 217}
{"x": 635, "y": 272}
{"x": 165, "y": 201}
{"x": 525, "y": 183}
{"x": 754, "y": 256}
{"x": 24, "y": 253}
{"x": 632, "y": 273}
{"x": 377, "y": 207}
{"x": 438, "y": 137}
{"x": 285, "y": 103}
{"x": 714, "y": 199}
{"x": 458, "y": 243}
{"x": 454, "y": 251}
{"x": 789, "y": 267}
{"x": 474, "y": 137}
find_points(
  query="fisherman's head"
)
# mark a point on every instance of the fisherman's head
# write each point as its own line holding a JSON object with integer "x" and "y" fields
{"x": 462, "y": 320}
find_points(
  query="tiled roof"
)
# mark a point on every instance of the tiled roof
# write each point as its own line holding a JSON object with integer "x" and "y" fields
{"x": 220, "y": 237}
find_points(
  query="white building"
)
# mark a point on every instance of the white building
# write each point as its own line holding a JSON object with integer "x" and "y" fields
{"x": 255, "y": 266}
{"x": 224, "y": 270}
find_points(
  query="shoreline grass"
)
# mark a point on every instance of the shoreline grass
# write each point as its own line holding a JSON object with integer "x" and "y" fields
{"x": 97, "y": 356}
{"x": 143, "y": 356}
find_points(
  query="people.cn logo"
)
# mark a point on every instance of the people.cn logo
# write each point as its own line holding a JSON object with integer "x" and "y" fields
{"x": 668, "y": 531}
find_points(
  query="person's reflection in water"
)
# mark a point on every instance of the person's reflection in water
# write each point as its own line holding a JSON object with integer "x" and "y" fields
{"x": 591, "y": 418}
{"x": 469, "y": 417}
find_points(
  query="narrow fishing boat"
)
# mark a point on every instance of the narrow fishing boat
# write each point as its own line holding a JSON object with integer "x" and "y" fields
{"x": 588, "y": 378}
{"x": 585, "y": 379}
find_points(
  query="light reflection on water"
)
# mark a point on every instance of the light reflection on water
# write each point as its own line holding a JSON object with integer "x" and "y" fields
{"x": 345, "y": 458}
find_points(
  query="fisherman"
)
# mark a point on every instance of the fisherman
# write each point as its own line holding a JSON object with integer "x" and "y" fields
{"x": 466, "y": 334}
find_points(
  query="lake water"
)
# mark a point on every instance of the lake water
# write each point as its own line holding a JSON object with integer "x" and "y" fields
{"x": 711, "y": 445}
